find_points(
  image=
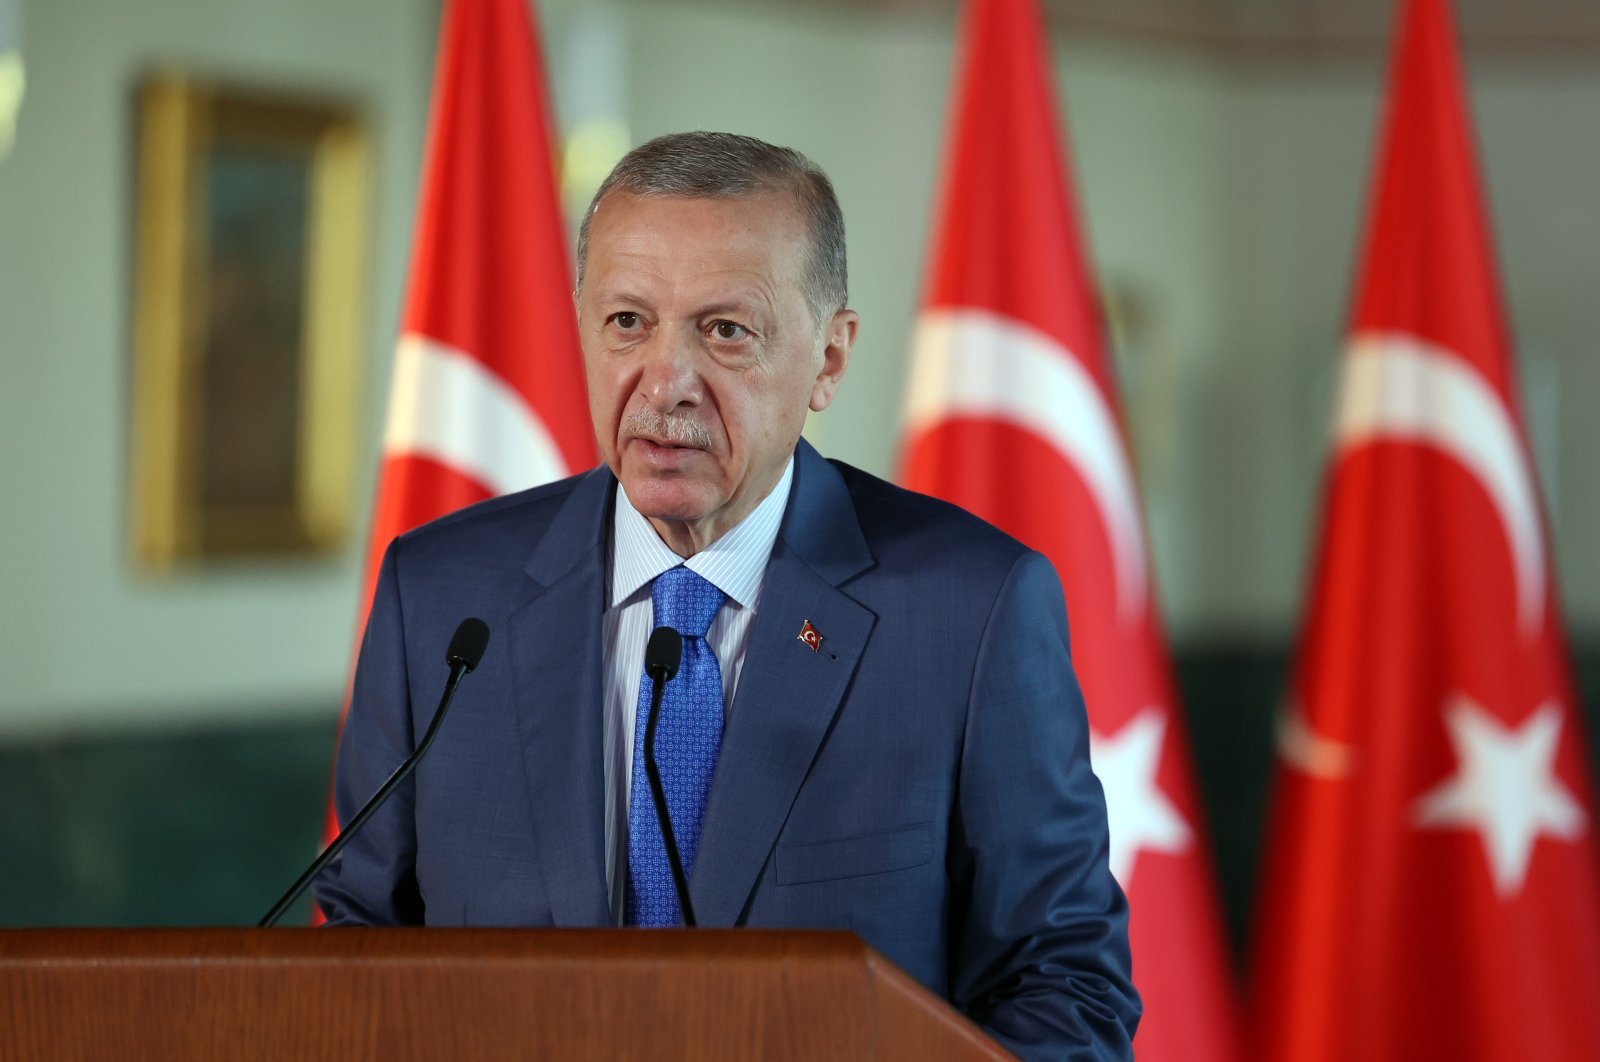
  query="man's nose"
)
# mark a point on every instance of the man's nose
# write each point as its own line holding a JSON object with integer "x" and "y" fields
{"x": 670, "y": 377}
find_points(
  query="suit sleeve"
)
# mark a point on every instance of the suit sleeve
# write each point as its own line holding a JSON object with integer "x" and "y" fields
{"x": 373, "y": 881}
{"x": 1040, "y": 937}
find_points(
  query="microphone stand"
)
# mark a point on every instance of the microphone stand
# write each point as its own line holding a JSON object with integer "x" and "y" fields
{"x": 658, "y": 685}
{"x": 458, "y": 668}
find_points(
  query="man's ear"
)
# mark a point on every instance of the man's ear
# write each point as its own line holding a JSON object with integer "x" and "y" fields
{"x": 837, "y": 338}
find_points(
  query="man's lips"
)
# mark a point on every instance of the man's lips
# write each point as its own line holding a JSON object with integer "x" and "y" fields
{"x": 665, "y": 444}
{"x": 662, "y": 451}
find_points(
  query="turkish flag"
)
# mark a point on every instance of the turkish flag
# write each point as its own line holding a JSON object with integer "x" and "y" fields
{"x": 487, "y": 394}
{"x": 1014, "y": 416}
{"x": 1430, "y": 888}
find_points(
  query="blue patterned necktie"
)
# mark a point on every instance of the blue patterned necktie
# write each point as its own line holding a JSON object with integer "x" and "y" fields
{"x": 688, "y": 739}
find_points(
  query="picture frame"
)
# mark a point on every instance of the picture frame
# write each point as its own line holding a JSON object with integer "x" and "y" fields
{"x": 249, "y": 288}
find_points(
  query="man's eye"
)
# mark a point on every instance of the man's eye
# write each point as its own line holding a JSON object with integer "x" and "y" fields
{"x": 728, "y": 331}
{"x": 626, "y": 321}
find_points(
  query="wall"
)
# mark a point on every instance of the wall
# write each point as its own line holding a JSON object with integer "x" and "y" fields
{"x": 1223, "y": 195}
{"x": 87, "y": 640}
{"x": 1300, "y": 144}
{"x": 1222, "y": 198}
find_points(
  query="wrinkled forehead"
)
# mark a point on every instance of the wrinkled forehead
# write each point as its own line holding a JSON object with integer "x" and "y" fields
{"x": 769, "y": 218}
{"x": 683, "y": 237}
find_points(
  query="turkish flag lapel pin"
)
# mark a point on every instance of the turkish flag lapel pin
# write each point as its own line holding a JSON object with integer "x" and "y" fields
{"x": 808, "y": 634}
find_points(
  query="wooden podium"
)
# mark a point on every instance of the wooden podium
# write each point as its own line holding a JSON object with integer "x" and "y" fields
{"x": 472, "y": 994}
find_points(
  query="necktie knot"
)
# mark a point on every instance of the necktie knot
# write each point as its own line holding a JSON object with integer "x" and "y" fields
{"x": 684, "y": 601}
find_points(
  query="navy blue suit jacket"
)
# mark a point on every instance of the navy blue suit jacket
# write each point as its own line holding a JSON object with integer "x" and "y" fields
{"x": 922, "y": 780}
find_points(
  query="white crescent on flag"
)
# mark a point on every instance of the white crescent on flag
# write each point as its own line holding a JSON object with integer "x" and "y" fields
{"x": 974, "y": 363}
{"x": 446, "y": 405}
{"x": 1398, "y": 386}
{"x": 1309, "y": 751}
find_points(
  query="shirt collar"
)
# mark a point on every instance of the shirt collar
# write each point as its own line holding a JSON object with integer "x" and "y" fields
{"x": 736, "y": 563}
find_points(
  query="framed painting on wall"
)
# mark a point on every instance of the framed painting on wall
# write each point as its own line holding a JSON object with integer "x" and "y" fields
{"x": 249, "y": 283}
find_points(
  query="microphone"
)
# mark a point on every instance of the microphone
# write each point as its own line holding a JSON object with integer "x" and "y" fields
{"x": 662, "y": 655}
{"x": 467, "y": 645}
{"x": 466, "y": 650}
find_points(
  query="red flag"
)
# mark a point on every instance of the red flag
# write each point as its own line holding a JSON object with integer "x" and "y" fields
{"x": 487, "y": 394}
{"x": 1013, "y": 415}
{"x": 1431, "y": 888}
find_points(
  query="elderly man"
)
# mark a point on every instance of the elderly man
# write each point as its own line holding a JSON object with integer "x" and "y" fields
{"x": 875, "y": 726}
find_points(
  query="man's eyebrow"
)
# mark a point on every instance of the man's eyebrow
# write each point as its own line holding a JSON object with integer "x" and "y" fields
{"x": 751, "y": 301}
{"x": 622, "y": 296}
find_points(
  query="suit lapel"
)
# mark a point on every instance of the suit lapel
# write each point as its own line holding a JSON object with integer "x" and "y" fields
{"x": 557, "y": 660}
{"x": 788, "y": 693}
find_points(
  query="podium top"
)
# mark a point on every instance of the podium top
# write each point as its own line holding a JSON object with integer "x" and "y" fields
{"x": 395, "y": 994}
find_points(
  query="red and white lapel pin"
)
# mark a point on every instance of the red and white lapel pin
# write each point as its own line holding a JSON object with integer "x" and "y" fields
{"x": 808, "y": 634}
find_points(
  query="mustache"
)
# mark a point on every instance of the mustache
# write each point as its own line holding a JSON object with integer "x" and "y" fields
{"x": 681, "y": 431}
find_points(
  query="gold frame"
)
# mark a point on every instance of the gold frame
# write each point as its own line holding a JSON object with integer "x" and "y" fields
{"x": 181, "y": 121}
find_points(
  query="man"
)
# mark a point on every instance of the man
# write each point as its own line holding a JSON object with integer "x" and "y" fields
{"x": 875, "y": 726}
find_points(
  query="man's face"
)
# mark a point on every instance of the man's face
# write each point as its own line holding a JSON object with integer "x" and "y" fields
{"x": 701, "y": 354}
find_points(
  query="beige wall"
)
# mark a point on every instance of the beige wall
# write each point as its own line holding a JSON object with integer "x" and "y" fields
{"x": 1300, "y": 146}
{"x": 87, "y": 640}
{"x": 1222, "y": 199}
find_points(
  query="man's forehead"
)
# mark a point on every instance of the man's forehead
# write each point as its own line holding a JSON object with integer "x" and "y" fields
{"x": 752, "y": 240}
{"x": 772, "y": 212}
{"x": 641, "y": 282}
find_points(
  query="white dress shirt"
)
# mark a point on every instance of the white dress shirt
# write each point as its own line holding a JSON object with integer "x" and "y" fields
{"x": 736, "y": 564}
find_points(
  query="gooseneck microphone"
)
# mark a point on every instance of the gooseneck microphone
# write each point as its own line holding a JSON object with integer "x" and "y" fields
{"x": 662, "y": 655}
{"x": 465, "y": 652}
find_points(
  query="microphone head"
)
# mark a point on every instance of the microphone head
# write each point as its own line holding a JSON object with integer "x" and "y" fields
{"x": 468, "y": 643}
{"x": 663, "y": 653}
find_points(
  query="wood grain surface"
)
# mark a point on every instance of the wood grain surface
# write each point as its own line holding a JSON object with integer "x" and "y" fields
{"x": 397, "y": 994}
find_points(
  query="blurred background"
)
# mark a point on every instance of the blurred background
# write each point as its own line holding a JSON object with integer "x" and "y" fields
{"x": 167, "y": 721}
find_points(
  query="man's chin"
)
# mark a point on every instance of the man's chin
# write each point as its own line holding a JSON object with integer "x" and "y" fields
{"x": 658, "y": 497}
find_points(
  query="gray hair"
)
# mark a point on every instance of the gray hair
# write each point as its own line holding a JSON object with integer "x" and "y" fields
{"x": 703, "y": 165}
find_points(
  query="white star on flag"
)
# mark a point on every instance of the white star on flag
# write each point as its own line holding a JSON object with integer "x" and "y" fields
{"x": 1506, "y": 788}
{"x": 1140, "y": 815}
